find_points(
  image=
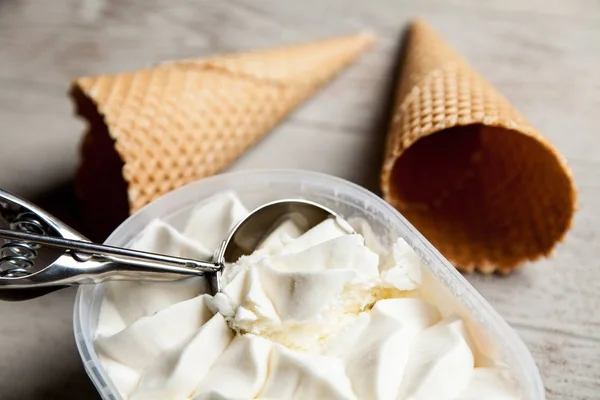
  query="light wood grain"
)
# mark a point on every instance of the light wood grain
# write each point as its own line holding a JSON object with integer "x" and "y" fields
{"x": 543, "y": 55}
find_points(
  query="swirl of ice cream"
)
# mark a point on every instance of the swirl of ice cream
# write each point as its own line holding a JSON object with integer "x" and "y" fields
{"x": 309, "y": 315}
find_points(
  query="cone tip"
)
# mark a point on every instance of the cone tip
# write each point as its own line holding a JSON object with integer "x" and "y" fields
{"x": 367, "y": 36}
{"x": 420, "y": 24}
{"x": 360, "y": 41}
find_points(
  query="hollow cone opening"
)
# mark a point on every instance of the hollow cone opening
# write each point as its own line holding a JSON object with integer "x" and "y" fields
{"x": 102, "y": 191}
{"x": 484, "y": 195}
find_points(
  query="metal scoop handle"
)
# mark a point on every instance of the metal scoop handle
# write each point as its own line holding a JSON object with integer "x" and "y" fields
{"x": 80, "y": 262}
{"x": 83, "y": 251}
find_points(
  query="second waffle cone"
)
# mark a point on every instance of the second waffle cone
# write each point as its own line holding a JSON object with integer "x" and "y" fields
{"x": 156, "y": 129}
{"x": 477, "y": 179}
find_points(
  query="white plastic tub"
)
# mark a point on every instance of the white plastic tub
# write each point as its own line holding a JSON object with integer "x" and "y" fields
{"x": 258, "y": 187}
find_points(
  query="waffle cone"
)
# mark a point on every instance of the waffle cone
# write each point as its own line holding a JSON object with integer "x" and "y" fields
{"x": 153, "y": 130}
{"x": 477, "y": 179}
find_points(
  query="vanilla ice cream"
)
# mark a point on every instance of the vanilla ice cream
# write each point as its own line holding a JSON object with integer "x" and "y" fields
{"x": 323, "y": 314}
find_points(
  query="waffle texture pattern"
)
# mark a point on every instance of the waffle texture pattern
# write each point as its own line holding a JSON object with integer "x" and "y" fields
{"x": 182, "y": 121}
{"x": 478, "y": 180}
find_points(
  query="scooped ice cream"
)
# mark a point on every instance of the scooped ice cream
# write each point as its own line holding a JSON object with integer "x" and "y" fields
{"x": 323, "y": 314}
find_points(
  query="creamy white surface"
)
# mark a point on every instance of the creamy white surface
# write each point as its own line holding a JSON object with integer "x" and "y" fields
{"x": 315, "y": 315}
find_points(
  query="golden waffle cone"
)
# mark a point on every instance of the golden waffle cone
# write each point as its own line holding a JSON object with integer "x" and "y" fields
{"x": 466, "y": 168}
{"x": 156, "y": 129}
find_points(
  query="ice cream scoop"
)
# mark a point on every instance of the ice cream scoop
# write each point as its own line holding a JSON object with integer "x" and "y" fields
{"x": 42, "y": 254}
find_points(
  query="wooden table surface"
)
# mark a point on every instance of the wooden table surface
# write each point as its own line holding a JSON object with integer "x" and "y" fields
{"x": 543, "y": 55}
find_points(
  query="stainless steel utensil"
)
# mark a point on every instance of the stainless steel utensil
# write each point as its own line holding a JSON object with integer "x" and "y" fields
{"x": 42, "y": 254}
